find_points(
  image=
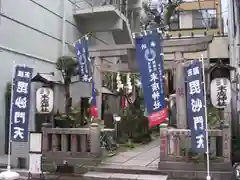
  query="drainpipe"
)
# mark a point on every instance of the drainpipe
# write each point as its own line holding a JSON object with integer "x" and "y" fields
{"x": 63, "y": 27}
{"x": 234, "y": 64}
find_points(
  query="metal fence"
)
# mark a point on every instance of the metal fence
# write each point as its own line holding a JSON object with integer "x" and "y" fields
{"x": 121, "y": 5}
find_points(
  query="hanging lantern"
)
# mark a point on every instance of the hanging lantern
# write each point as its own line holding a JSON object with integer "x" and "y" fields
{"x": 44, "y": 100}
{"x": 220, "y": 92}
{"x": 220, "y": 85}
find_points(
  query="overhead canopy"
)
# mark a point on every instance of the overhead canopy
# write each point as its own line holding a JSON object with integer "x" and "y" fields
{"x": 46, "y": 78}
{"x": 107, "y": 91}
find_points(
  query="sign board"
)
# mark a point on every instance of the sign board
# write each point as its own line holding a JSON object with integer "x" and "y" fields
{"x": 35, "y": 142}
{"x": 196, "y": 106}
{"x": 35, "y": 163}
{"x": 20, "y": 103}
{"x": 220, "y": 92}
{"x": 84, "y": 66}
{"x": 44, "y": 100}
{"x": 148, "y": 50}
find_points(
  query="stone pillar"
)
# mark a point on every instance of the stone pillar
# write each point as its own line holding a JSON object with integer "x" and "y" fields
{"x": 95, "y": 147}
{"x": 180, "y": 92}
{"x": 226, "y": 135}
{"x": 64, "y": 143}
{"x": 97, "y": 77}
{"x": 180, "y": 100}
{"x": 45, "y": 140}
{"x": 213, "y": 145}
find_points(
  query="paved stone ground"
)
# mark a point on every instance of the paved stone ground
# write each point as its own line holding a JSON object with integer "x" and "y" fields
{"x": 145, "y": 156}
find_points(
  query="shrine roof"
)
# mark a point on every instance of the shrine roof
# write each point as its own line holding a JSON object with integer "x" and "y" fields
{"x": 46, "y": 78}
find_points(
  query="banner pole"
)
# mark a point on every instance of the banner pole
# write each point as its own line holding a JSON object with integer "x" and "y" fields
{"x": 208, "y": 177}
{"x": 84, "y": 36}
{"x": 10, "y": 122}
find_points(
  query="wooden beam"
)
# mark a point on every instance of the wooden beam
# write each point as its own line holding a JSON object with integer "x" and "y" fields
{"x": 109, "y": 53}
{"x": 187, "y": 41}
{"x": 185, "y": 49}
{"x": 184, "y": 45}
{"x": 131, "y": 52}
{"x": 111, "y": 47}
{"x": 166, "y": 43}
{"x": 124, "y": 67}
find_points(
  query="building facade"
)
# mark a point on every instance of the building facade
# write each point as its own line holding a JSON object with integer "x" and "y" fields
{"x": 234, "y": 31}
{"x": 35, "y": 33}
{"x": 234, "y": 49}
{"x": 199, "y": 17}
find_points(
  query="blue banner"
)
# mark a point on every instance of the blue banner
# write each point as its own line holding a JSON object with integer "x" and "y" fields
{"x": 21, "y": 103}
{"x": 84, "y": 68}
{"x": 195, "y": 106}
{"x": 150, "y": 65}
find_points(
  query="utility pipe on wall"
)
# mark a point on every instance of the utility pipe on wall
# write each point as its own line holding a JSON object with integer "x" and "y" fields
{"x": 63, "y": 27}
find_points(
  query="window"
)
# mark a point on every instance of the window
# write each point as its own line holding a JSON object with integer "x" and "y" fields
{"x": 204, "y": 18}
{"x": 194, "y": 19}
{"x": 174, "y": 25}
{"x": 185, "y": 20}
{"x": 238, "y": 13}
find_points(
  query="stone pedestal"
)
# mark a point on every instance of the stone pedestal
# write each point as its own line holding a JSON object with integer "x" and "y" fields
{"x": 226, "y": 137}
{"x": 95, "y": 147}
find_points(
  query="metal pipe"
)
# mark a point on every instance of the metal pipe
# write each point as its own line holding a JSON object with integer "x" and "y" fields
{"x": 63, "y": 28}
{"x": 10, "y": 122}
{"x": 208, "y": 177}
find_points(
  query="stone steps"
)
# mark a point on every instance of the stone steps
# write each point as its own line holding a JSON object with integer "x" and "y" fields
{"x": 120, "y": 176}
{"x": 171, "y": 174}
{"x": 195, "y": 166}
{"x": 125, "y": 169}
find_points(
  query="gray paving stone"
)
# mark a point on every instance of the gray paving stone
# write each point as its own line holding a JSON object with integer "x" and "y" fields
{"x": 145, "y": 155}
{"x": 123, "y": 176}
{"x": 136, "y": 163}
{"x": 144, "y": 158}
{"x": 97, "y": 174}
{"x": 111, "y": 163}
{"x": 156, "y": 161}
{"x": 117, "y": 159}
{"x": 153, "y": 166}
{"x": 151, "y": 177}
{"x": 129, "y": 154}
